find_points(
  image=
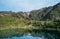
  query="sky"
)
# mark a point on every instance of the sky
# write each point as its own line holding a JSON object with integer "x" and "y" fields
{"x": 25, "y": 5}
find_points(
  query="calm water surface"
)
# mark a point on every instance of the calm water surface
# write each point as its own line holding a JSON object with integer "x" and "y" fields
{"x": 25, "y": 37}
{"x": 37, "y": 35}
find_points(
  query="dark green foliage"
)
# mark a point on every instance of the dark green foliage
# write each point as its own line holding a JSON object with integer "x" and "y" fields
{"x": 36, "y": 23}
{"x": 57, "y": 22}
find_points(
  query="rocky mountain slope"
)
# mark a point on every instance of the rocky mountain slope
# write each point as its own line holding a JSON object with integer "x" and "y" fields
{"x": 47, "y": 13}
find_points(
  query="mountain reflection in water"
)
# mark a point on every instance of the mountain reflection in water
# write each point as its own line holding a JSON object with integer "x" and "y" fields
{"x": 25, "y": 37}
{"x": 37, "y": 34}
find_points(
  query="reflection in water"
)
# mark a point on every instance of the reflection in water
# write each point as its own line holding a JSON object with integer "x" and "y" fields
{"x": 26, "y": 37}
{"x": 36, "y": 34}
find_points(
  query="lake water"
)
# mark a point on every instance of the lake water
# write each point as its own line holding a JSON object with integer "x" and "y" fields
{"x": 37, "y": 35}
{"x": 25, "y": 37}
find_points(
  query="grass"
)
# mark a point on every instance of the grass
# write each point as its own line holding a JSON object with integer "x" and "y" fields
{"x": 12, "y": 22}
{"x": 14, "y": 26}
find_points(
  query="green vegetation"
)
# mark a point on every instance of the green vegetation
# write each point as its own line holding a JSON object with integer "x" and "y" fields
{"x": 12, "y": 24}
{"x": 47, "y": 25}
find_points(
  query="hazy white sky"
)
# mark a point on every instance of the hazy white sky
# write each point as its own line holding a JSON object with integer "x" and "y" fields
{"x": 25, "y": 5}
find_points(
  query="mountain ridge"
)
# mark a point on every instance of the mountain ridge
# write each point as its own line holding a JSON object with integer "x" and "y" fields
{"x": 45, "y": 13}
{"x": 40, "y": 14}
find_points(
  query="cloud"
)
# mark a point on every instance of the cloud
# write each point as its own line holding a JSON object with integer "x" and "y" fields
{"x": 25, "y": 5}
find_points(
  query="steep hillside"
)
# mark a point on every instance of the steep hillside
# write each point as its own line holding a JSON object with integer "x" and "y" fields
{"x": 47, "y": 13}
{"x": 13, "y": 20}
{"x": 20, "y": 19}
